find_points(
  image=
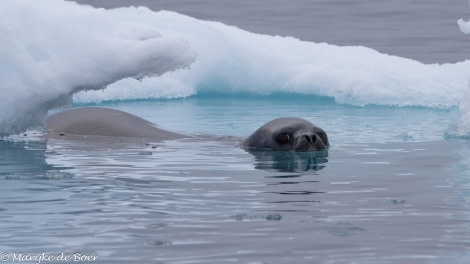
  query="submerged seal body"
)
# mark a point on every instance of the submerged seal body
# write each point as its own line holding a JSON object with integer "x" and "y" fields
{"x": 98, "y": 122}
{"x": 287, "y": 134}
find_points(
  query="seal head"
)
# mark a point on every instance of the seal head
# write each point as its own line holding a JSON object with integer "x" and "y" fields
{"x": 287, "y": 134}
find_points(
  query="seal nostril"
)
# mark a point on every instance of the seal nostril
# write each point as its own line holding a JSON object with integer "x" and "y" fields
{"x": 309, "y": 140}
{"x": 314, "y": 139}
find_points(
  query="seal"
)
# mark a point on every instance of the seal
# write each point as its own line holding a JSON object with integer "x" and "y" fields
{"x": 96, "y": 123}
{"x": 108, "y": 126}
{"x": 287, "y": 134}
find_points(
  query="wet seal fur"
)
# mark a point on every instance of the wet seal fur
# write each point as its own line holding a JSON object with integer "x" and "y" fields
{"x": 98, "y": 125}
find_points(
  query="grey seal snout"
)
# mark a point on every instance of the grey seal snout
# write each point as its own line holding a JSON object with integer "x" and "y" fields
{"x": 311, "y": 141}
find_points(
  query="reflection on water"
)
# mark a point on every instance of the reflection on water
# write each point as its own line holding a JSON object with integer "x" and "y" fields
{"x": 27, "y": 159}
{"x": 209, "y": 202}
{"x": 289, "y": 161}
{"x": 23, "y": 158}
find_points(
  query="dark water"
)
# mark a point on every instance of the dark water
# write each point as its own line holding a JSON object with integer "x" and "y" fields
{"x": 425, "y": 30}
{"x": 207, "y": 202}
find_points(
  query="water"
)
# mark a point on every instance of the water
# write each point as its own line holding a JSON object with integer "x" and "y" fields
{"x": 205, "y": 205}
{"x": 208, "y": 201}
{"x": 393, "y": 187}
{"x": 424, "y": 30}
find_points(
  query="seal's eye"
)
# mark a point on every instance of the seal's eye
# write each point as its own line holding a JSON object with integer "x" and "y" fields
{"x": 282, "y": 138}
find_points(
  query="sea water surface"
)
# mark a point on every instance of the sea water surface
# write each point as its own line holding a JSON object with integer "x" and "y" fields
{"x": 392, "y": 188}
